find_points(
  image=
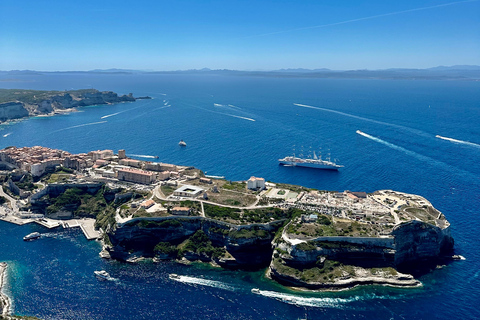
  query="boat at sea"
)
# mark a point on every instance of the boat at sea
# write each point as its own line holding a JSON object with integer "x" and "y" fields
{"x": 182, "y": 143}
{"x": 174, "y": 276}
{"x": 315, "y": 162}
{"x": 31, "y": 236}
{"x": 102, "y": 274}
{"x": 256, "y": 290}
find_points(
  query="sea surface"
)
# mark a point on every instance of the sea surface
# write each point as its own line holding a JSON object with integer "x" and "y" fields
{"x": 238, "y": 127}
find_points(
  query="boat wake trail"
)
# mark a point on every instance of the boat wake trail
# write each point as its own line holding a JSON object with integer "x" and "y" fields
{"x": 141, "y": 156}
{"x": 81, "y": 125}
{"x": 7, "y": 134}
{"x": 223, "y": 113}
{"x": 318, "y": 302}
{"x": 204, "y": 282}
{"x": 394, "y": 146}
{"x": 459, "y": 141}
{"x": 111, "y": 115}
{"x": 419, "y": 132}
{"x": 245, "y": 118}
{"x": 446, "y": 167}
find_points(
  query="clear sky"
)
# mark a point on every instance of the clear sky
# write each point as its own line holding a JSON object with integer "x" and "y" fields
{"x": 64, "y": 35}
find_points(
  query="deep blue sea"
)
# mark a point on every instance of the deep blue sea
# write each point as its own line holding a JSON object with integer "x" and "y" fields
{"x": 238, "y": 127}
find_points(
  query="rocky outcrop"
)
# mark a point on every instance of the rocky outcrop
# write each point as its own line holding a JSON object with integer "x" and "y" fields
{"x": 356, "y": 276}
{"x": 54, "y": 102}
{"x": 248, "y": 246}
{"x": 336, "y": 262}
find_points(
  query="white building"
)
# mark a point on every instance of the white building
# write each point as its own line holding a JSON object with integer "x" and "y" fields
{"x": 255, "y": 183}
{"x": 188, "y": 191}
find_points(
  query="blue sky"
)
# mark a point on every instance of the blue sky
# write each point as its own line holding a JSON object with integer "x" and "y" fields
{"x": 243, "y": 35}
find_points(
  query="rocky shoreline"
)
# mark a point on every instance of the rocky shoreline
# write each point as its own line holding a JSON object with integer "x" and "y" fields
{"x": 4, "y": 300}
{"x": 19, "y": 104}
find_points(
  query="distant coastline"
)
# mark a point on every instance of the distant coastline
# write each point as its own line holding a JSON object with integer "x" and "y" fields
{"x": 20, "y": 103}
{"x": 458, "y": 72}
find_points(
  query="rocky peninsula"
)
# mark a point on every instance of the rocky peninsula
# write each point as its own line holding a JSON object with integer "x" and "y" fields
{"x": 303, "y": 237}
{"x": 21, "y": 103}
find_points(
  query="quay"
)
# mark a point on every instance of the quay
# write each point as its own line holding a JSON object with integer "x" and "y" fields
{"x": 87, "y": 225}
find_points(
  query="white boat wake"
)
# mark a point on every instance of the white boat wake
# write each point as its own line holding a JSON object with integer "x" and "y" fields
{"x": 317, "y": 302}
{"x": 82, "y": 125}
{"x": 141, "y": 156}
{"x": 394, "y": 146}
{"x": 7, "y": 134}
{"x": 419, "y": 132}
{"x": 111, "y": 115}
{"x": 458, "y": 141}
{"x": 204, "y": 282}
{"x": 245, "y": 118}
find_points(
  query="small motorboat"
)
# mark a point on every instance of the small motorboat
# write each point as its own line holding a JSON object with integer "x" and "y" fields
{"x": 182, "y": 143}
{"x": 31, "y": 236}
{"x": 102, "y": 274}
{"x": 173, "y": 276}
{"x": 256, "y": 290}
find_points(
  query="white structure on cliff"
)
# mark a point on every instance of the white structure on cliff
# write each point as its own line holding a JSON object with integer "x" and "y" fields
{"x": 188, "y": 191}
{"x": 255, "y": 183}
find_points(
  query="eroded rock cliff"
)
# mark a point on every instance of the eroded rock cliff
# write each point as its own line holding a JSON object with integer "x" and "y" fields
{"x": 24, "y": 103}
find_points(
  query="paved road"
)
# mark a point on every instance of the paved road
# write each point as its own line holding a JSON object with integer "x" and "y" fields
{"x": 13, "y": 202}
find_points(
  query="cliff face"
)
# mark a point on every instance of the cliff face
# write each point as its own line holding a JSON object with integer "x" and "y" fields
{"x": 12, "y": 110}
{"x": 34, "y": 105}
{"x": 417, "y": 242}
{"x": 249, "y": 251}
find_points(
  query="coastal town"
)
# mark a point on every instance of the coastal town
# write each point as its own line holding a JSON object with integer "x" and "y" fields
{"x": 146, "y": 209}
{"x": 161, "y": 182}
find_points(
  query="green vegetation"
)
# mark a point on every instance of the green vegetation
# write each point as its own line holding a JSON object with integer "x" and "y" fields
{"x": 236, "y": 186}
{"x": 221, "y": 212}
{"x": 166, "y": 248}
{"x": 324, "y": 272}
{"x": 80, "y": 202}
{"x": 199, "y": 243}
{"x": 167, "y": 190}
{"x": 36, "y": 96}
{"x": 170, "y": 223}
{"x": 306, "y": 246}
{"x": 219, "y": 230}
{"x": 247, "y": 233}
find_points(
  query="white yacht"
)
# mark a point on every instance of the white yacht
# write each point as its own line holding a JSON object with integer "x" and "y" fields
{"x": 102, "y": 274}
{"x": 31, "y": 236}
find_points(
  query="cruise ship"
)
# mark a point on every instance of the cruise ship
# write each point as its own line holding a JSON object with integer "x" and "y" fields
{"x": 316, "y": 163}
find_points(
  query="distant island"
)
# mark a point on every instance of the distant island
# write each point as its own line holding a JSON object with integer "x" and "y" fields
{"x": 304, "y": 237}
{"x": 21, "y": 103}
